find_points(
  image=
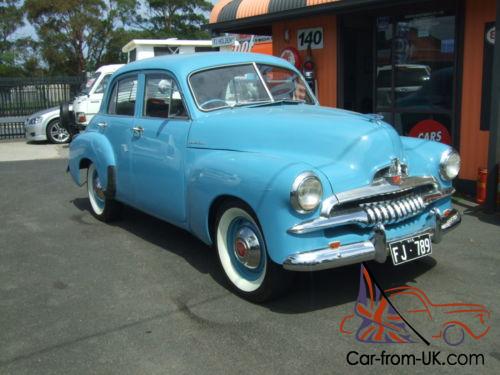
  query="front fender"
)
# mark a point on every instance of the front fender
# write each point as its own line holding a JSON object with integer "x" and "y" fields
{"x": 424, "y": 157}
{"x": 49, "y": 119}
{"x": 260, "y": 180}
{"x": 94, "y": 147}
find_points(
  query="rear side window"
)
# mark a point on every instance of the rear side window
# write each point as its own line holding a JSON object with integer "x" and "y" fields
{"x": 123, "y": 98}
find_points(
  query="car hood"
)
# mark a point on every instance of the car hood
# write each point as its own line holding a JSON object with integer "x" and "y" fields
{"x": 48, "y": 111}
{"x": 347, "y": 147}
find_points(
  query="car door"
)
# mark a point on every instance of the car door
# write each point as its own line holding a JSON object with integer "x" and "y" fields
{"x": 116, "y": 124}
{"x": 159, "y": 147}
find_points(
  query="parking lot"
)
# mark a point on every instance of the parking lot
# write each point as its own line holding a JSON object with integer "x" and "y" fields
{"x": 140, "y": 296}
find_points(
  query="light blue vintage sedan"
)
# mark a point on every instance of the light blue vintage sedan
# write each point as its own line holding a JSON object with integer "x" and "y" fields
{"x": 236, "y": 149}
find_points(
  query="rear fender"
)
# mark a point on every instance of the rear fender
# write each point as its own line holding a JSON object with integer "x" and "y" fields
{"x": 95, "y": 147}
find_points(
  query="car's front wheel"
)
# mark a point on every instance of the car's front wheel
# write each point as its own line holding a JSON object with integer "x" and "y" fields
{"x": 453, "y": 334}
{"x": 56, "y": 133}
{"x": 243, "y": 255}
{"x": 104, "y": 208}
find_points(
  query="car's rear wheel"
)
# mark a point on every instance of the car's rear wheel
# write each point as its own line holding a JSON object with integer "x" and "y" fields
{"x": 104, "y": 208}
{"x": 56, "y": 133}
{"x": 243, "y": 255}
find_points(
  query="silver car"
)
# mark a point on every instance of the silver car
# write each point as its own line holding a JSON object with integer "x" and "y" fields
{"x": 45, "y": 126}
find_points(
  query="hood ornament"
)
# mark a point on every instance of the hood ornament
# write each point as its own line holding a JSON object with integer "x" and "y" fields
{"x": 395, "y": 173}
{"x": 375, "y": 118}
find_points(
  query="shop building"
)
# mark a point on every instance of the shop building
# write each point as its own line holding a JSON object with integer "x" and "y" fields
{"x": 427, "y": 66}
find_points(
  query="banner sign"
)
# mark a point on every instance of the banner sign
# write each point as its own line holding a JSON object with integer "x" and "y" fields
{"x": 223, "y": 41}
{"x": 432, "y": 131}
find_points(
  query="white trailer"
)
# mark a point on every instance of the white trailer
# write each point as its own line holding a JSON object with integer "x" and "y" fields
{"x": 139, "y": 49}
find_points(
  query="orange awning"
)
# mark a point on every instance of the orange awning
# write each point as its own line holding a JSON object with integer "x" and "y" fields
{"x": 229, "y": 10}
{"x": 229, "y": 13}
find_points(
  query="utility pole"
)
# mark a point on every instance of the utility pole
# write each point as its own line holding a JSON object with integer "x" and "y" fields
{"x": 494, "y": 145}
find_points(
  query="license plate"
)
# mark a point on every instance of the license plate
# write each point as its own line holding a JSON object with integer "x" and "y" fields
{"x": 410, "y": 249}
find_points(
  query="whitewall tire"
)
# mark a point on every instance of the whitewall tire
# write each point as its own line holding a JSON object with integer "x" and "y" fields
{"x": 102, "y": 207}
{"x": 243, "y": 255}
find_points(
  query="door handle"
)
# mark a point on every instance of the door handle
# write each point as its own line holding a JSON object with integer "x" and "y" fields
{"x": 102, "y": 125}
{"x": 138, "y": 130}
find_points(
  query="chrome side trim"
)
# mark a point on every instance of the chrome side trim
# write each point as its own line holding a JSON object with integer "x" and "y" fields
{"x": 375, "y": 249}
{"x": 370, "y": 216}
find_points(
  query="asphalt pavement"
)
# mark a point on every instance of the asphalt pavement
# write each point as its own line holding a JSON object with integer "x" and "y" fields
{"x": 19, "y": 150}
{"x": 140, "y": 296}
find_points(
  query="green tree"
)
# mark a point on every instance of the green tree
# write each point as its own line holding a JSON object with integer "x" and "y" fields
{"x": 177, "y": 18}
{"x": 11, "y": 18}
{"x": 120, "y": 37}
{"x": 74, "y": 35}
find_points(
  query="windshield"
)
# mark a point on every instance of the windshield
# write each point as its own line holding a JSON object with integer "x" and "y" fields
{"x": 239, "y": 85}
{"x": 92, "y": 78}
{"x": 102, "y": 85}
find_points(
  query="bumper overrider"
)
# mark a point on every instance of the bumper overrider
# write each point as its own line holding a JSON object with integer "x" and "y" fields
{"x": 373, "y": 207}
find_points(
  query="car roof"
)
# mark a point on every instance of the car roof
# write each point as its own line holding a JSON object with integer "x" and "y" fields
{"x": 183, "y": 65}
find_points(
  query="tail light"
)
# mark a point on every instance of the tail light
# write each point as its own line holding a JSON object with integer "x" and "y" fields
{"x": 80, "y": 117}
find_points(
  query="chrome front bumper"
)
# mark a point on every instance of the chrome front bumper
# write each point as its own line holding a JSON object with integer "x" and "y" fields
{"x": 376, "y": 249}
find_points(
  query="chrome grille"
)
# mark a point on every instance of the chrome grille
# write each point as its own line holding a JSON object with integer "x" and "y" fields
{"x": 393, "y": 211}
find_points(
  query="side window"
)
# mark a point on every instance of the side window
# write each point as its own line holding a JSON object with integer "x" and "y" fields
{"x": 102, "y": 85}
{"x": 162, "y": 98}
{"x": 122, "y": 100}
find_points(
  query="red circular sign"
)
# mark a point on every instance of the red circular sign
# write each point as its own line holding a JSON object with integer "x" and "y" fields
{"x": 291, "y": 55}
{"x": 432, "y": 131}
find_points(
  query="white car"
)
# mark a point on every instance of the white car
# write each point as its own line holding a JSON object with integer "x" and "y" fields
{"x": 45, "y": 126}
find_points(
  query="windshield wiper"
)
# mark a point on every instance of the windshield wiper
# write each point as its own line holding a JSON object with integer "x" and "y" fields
{"x": 279, "y": 102}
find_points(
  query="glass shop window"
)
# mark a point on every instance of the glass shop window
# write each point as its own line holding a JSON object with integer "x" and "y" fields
{"x": 415, "y": 69}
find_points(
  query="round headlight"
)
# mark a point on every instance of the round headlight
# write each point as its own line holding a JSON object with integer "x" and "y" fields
{"x": 450, "y": 164}
{"x": 306, "y": 193}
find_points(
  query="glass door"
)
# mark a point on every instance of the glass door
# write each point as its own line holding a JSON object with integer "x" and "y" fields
{"x": 414, "y": 74}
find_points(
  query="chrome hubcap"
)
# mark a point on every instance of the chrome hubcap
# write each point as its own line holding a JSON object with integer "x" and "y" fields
{"x": 98, "y": 190}
{"x": 247, "y": 248}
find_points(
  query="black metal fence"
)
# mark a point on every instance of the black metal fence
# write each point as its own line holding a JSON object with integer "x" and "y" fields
{"x": 24, "y": 96}
{"x": 10, "y": 130}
